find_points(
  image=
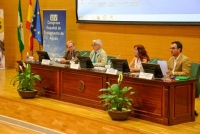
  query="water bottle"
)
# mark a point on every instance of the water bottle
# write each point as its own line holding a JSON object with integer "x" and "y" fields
{"x": 27, "y": 56}
{"x": 72, "y": 60}
{"x": 109, "y": 64}
{"x": 141, "y": 70}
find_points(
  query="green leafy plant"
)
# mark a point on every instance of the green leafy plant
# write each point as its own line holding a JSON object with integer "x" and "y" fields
{"x": 115, "y": 97}
{"x": 25, "y": 80}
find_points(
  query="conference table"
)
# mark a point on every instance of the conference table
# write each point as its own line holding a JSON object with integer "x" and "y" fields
{"x": 157, "y": 100}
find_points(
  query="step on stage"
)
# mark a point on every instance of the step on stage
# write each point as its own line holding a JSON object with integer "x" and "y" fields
{"x": 76, "y": 119}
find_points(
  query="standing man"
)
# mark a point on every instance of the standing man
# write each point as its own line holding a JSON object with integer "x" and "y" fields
{"x": 178, "y": 64}
{"x": 71, "y": 53}
{"x": 98, "y": 56}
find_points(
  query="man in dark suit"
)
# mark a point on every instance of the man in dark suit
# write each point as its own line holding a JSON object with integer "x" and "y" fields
{"x": 178, "y": 64}
{"x": 71, "y": 53}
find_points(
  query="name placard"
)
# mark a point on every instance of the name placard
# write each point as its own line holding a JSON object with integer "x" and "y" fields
{"x": 111, "y": 71}
{"x": 74, "y": 66}
{"x": 45, "y": 62}
{"x": 148, "y": 76}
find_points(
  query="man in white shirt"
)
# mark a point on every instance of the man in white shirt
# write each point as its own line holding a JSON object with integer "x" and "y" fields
{"x": 98, "y": 56}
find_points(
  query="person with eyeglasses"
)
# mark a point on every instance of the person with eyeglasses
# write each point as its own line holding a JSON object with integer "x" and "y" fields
{"x": 98, "y": 56}
{"x": 178, "y": 64}
{"x": 71, "y": 53}
{"x": 141, "y": 56}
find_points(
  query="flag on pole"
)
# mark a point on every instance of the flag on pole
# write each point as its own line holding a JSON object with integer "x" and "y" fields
{"x": 20, "y": 29}
{"x": 36, "y": 27}
{"x": 28, "y": 24}
{"x": 29, "y": 16}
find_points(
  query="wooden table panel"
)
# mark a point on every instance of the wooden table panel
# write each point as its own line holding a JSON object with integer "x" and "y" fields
{"x": 50, "y": 79}
{"x": 82, "y": 87}
{"x": 167, "y": 103}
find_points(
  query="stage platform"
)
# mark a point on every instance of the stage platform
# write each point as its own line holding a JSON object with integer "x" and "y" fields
{"x": 76, "y": 119}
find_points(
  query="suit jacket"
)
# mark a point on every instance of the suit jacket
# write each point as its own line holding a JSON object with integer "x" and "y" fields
{"x": 101, "y": 59}
{"x": 75, "y": 54}
{"x": 182, "y": 67}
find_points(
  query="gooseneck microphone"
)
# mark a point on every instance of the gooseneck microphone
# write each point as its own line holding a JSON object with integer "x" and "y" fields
{"x": 118, "y": 56}
{"x": 152, "y": 61}
{"x": 84, "y": 54}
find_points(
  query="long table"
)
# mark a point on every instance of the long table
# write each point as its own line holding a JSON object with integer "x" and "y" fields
{"x": 167, "y": 103}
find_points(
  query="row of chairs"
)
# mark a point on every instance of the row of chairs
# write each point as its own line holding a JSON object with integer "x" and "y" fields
{"x": 86, "y": 53}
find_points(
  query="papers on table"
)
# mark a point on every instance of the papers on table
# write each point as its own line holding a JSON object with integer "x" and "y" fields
{"x": 163, "y": 66}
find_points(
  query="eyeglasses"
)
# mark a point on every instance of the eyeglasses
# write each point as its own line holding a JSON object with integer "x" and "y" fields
{"x": 70, "y": 47}
{"x": 93, "y": 45}
{"x": 172, "y": 48}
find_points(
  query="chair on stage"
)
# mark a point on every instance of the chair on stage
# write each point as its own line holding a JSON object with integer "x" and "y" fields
{"x": 85, "y": 53}
{"x": 195, "y": 73}
{"x": 110, "y": 57}
{"x": 154, "y": 60}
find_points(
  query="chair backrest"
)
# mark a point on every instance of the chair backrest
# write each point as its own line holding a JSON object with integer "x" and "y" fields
{"x": 195, "y": 73}
{"x": 154, "y": 60}
{"x": 110, "y": 57}
{"x": 109, "y": 61}
{"x": 85, "y": 53}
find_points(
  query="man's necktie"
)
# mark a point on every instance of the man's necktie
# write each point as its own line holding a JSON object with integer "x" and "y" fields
{"x": 71, "y": 54}
{"x": 94, "y": 59}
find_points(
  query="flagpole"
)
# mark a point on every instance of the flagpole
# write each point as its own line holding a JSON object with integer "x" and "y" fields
{"x": 21, "y": 56}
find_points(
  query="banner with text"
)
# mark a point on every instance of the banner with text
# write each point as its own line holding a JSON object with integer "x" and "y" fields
{"x": 2, "y": 49}
{"x": 54, "y": 41}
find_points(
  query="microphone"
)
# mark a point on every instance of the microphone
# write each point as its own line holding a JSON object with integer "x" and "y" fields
{"x": 152, "y": 61}
{"x": 84, "y": 54}
{"x": 118, "y": 56}
{"x": 34, "y": 54}
{"x": 60, "y": 54}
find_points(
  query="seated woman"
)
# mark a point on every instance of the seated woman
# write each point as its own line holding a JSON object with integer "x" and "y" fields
{"x": 140, "y": 56}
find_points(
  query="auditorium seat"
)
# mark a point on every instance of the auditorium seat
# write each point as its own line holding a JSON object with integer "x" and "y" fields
{"x": 85, "y": 53}
{"x": 195, "y": 73}
{"x": 111, "y": 57}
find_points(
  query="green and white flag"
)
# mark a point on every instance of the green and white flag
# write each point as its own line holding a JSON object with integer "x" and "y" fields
{"x": 20, "y": 29}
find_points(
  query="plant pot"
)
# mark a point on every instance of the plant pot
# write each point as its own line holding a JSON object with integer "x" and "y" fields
{"x": 119, "y": 115}
{"x": 27, "y": 94}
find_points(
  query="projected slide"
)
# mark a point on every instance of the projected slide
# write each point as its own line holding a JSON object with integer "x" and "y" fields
{"x": 139, "y": 10}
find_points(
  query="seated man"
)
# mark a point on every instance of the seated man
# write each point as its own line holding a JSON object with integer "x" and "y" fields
{"x": 71, "y": 53}
{"x": 98, "y": 56}
{"x": 178, "y": 64}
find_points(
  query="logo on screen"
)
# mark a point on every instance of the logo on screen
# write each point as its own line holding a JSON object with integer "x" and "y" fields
{"x": 53, "y": 17}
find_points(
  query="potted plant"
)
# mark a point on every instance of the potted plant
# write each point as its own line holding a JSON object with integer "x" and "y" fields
{"x": 116, "y": 100}
{"x": 25, "y": 81}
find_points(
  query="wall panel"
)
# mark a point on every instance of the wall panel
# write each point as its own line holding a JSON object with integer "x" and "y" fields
{"x": 117, "y": 39}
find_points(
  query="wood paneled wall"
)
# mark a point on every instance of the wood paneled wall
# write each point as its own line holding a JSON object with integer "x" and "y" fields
{"x": 117, "y": 39}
